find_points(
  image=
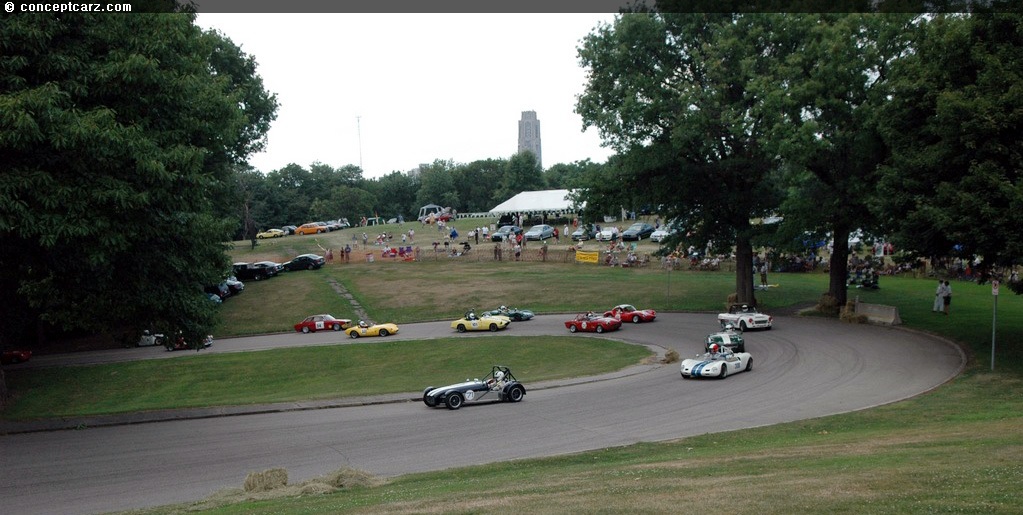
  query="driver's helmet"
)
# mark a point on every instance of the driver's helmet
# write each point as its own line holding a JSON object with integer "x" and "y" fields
{"x": 362, "y": 323}
{"x": 715, "y": 348}
{"x": 499, "y": 375}
{"x": 729, "y": 327}
{"x": 503, "y": 308}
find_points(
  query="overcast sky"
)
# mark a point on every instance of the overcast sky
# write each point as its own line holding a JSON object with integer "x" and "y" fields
{"x": 393, "y": 91}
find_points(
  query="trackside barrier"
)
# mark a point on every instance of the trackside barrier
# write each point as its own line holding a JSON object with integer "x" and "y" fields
{"x": 878, "y": 313}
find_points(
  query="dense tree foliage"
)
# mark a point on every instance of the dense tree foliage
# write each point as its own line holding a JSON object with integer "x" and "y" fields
{"x": 119, "y": 138}
{"x": 954, "y": 185}
{"x": 672, "y": 93}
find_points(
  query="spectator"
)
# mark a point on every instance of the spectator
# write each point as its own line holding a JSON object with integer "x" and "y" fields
{"x": 518, "y": 251}
{"x": 947, "y": 296}
{"x": 556, "y": 240}
{"x": 939, "y": 298}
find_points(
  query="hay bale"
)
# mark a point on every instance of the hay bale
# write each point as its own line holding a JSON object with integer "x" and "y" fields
{"x": 671, "y": 356}
{"x": 266, "y": 480}
{"x": 850, "y": 316}
{"x": 348, "y": 478}
{"x": 828, "y": 304}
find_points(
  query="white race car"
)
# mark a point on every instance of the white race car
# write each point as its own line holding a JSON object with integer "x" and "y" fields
{"x": 719, "y": 364}
{"x": 744, "y": 316}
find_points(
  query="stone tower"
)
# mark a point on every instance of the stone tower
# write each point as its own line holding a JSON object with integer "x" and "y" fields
{"x": 529, "y": 135}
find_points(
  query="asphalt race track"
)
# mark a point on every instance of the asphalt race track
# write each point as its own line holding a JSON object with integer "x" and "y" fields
{"x": 803, "y": 368}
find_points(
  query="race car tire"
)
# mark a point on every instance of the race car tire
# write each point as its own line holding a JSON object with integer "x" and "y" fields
{"x": 305, "y": 330}
{"x": 749, "y": 365}
{"x": 572, "y": 329}
{"x": 383, "y": 332}
{"x": 311, "y": 267}
{"x": 742, "y": 326}
{"x": 516, "y": 393}
{"x": 635, "y": 319}
{"x": 429, "y": 401}
{"x": 454, "y": 401}
{"x": 336, "y": 327}
{"x": 493, "y": 328}
{"x": 599, "y": 329}
{"x": 685, "y": 376}
{"x": 461, "y": 328}
{"x": 353, "y": 335}
{"x": 724, "y": 372}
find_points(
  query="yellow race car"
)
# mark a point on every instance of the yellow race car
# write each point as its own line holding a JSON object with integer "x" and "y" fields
{"x": 471, "y": 322}
{"x": 370, "y": 329}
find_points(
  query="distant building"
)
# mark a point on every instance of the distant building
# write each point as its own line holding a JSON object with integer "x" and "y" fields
{"x": 529, "y": 135}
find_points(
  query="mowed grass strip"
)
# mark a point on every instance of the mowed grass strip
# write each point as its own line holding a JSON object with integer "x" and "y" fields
{"x": 304, "y": 373}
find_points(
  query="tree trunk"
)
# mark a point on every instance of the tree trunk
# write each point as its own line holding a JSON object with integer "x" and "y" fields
{"x": 3, "y": 388}
{"x": 744, "y": 272}
{"x": 839, "y": 266}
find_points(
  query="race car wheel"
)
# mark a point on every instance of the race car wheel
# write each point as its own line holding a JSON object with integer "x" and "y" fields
{"x": 353, "y": 335}
{"x": 461, "y": 328}
{"x": 454, "y": 401}
{"x": 724, "y": 372}
{"x": 383, "y": 332}
{"x": 600, "y": 329}
{"x": 305, "y": 329}
{"x": 516, "y": 394}
{"x": 572, "y": 329}
{"x": 336, "y": 327}
{"x": 742, "y": 326}
{"x": 493, "y": 328}
{"x": 749, "y": 365}
{"x": 635, "y": 319}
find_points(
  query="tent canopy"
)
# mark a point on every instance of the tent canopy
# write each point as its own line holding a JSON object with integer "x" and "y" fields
{"x": 536, "y": 201}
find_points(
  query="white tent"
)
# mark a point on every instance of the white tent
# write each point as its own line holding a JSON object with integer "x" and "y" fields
{"x": 546, "y": 201}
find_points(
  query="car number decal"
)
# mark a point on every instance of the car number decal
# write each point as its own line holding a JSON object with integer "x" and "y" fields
{"x": 584, "y": 325}
{"x": 469, "y": 395}
{"x": 319, "y": 324}
{"x": 474, "y": 323}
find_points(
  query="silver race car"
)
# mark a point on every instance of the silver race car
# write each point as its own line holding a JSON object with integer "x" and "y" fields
{"x": 498, "y": 385}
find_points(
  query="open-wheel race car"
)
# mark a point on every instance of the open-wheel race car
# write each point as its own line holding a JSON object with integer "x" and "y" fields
{"x": 719, "y": 363}
{"x": 744, "y": 316}
{"x": 497, "y": 386}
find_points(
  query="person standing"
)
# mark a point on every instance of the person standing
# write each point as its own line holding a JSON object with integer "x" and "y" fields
{"x": 763, "y": 274}
{"x": 947, "y": 297}
{"x": 939, "y": 298}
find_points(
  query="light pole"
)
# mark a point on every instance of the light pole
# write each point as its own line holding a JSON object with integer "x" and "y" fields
{"x": 358, "y": 129}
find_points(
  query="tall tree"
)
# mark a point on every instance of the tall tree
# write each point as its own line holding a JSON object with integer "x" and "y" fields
{"x": 954, "y": 186}
{"x": 521, "y": 173}
{"x": 825, "y": 97}
{"x": 670, "y": 91}
{"x": 117, "y": 133}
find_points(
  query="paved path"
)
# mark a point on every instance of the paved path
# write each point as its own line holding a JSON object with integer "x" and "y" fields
{"x": 804, "y": 368}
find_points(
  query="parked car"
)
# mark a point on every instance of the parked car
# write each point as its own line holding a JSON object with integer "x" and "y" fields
{"x": 499, "y": 385}
{"x": 629, "y": 313}
{"x": 150, "y": 339}
{"x": 234, "y": 285}
{"x": 370, "y": 329}
{"x": 13, "y": 357}
{"x": 585, "y": 232}
{"x": 540, "y": 232}
{"x": 271, "y": 233}
{"x": 305, "y": 262}
{"x": 289, "y": 229}
{"x": 607, "y": 234}
{"x": 310, "y": 228}
{"x": 592, "y": 323}
{"x": 744, "y": 316}
{"x": 251, "y": 271}
{"x": 470, "y": 322}
{"x": 663, "y": 232}
{"x": 515, "y": 314}
{"x": 637, "y": 231}
{"x": 273, "y": 266}
{"x": 505, "y": 232}
{"x": 221, "y": 290}
{"x": 323, "y": 322}
{"x": 719, "y": 364}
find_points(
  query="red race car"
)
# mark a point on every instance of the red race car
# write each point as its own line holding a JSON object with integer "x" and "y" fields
{"x": 592, "y": 323}
{"x": 11, "y": 357}
{"x": 322, "y": 323}
{"x": 629, "y": 313}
